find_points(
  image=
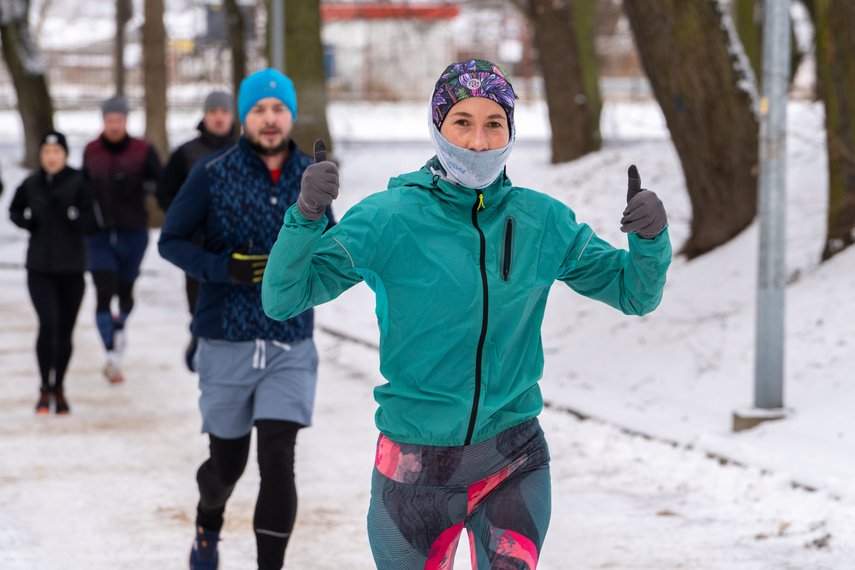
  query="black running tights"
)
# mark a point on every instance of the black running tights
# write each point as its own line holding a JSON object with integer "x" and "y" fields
{"x": 56, "y": 298}
{"x": 276, "y": 506}
{"x": 107, "y": 286}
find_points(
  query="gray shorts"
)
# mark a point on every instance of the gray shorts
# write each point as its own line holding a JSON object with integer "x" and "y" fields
{"x": 252, "y": 380}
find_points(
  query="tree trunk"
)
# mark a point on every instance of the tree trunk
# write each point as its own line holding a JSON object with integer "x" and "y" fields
{"x": 748, "y": 17}
{"x": 154, "y": 77}
{"x": 835, "y": 49}
{"x": 28, "y": 77}
{"x": 154, "y": 89}
{"x": 706, "y": 98}
{"x": 304, "y": 64}
{"x": 237, "y": 41}
{"x": 124, "y": 10}
{"x": 564, "y": 38}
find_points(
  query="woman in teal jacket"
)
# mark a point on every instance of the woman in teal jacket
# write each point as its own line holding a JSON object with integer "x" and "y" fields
{"x": 461, "y": 262}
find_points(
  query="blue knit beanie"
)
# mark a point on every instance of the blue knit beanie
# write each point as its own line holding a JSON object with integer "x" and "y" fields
{"x": 266, "y": 83}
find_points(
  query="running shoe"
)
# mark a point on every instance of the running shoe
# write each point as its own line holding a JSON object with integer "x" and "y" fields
{"x": 61, "y": 403}
{"x": 204, "y": 555}
{"x": 113, "y": 368}
{"x": 43, "y": 405}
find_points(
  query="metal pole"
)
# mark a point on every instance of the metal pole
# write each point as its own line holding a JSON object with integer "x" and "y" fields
{"x": 277, "y": 32}
{"x": 769, "y": 378}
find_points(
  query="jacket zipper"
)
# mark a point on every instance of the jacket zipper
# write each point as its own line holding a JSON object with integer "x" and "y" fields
{"x": 509, "y": 248}
{"x": 479, "y": 353}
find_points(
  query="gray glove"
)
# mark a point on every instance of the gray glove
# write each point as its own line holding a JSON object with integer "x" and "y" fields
{"x": 644, "y": 213}
{"x": 319, "y": 186}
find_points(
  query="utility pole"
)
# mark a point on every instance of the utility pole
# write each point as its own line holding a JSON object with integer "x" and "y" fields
{"x": 769, "y": 364}
{"x": 277, "y": 32}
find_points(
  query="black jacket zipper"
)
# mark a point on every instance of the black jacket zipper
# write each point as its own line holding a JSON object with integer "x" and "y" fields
{"x": 478, "y": 355}
{"x": 507, "y": 257}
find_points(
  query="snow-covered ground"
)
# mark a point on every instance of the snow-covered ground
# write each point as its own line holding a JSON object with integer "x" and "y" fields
{"x": 655, "y": 479}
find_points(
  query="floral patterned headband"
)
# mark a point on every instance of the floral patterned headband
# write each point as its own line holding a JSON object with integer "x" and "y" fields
{"x": 473, "y": 78}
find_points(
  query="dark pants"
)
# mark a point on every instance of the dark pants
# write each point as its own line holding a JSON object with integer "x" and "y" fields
{"x": 114, "y": 261}
{"x": 107, "y": 286}
{"x": 56, "y": 298}
{"x": 276, "y": 506}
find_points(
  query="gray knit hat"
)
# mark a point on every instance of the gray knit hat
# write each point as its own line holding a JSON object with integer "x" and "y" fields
{"x": 115, "y": 104}
{"x": 219, "y": 100}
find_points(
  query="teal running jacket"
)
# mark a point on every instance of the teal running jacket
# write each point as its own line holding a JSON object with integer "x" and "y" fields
{"x": 461, "y": 279}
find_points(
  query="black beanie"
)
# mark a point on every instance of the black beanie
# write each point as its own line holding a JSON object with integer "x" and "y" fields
{"x": 54, "y": 137}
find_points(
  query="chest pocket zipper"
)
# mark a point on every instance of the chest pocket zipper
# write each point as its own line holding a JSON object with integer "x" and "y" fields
{"x": 508, "y": 251}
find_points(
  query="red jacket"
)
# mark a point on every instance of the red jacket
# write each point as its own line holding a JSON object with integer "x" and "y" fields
{"x": 121, "y": 174}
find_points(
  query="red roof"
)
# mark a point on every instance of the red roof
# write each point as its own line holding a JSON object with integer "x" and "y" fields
{"x": 385, "y": 11}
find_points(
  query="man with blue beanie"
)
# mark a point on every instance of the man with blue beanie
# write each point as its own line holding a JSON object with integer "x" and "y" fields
{"x": 253, "y": 370}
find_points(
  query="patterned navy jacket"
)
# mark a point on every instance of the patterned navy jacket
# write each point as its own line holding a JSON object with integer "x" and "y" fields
{"x": 231, "y": 199}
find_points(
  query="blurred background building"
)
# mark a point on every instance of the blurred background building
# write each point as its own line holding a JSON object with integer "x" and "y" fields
{"x": 376, "y": 50}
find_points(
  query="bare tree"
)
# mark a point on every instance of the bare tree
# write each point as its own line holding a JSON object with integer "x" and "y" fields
{"x": 28, "y": 76}
{"x": 707, "y": 94}
{"x": 304, "y": 64}
{"x": 835, "y": 53}
{"x": 154, "y": 76}
{"x": 564, "y": 38}
{"x": 237, "y": 41}
{"x": 748, "y": 17}
{"x": 124, "y": 11}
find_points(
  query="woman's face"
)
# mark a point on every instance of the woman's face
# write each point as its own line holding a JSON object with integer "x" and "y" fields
{"x": 476, "y": 123}
{"x": 52, "y": 157}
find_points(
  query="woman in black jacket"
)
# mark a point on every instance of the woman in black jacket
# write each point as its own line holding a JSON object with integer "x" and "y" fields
{"x": 56, "y": 206}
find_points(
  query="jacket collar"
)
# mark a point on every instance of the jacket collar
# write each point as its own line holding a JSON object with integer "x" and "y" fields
{"x": 58, "y": 178}
{"x": 217, "y": 141}
{"x": 116, "y": 147}
{"x": 256, "y": 162}
{"x": 431, "y": 177}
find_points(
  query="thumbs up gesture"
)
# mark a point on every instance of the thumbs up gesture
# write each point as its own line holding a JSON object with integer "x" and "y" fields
{"x": 644, "y": 213}
{"x": 319, "y": 186}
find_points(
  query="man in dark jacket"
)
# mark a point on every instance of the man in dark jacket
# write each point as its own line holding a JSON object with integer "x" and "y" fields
{"x": 122, "y": 170}
{"x": 217, "y": 130}
{"x": 253, "y": 371}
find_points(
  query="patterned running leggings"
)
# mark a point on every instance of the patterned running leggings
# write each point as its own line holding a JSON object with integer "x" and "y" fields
{"x": 423, "y": 496}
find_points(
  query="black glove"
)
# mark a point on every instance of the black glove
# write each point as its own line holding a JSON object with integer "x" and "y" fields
{"x": 245, "y": 269}
{"x": 319, "y": 186}
{"x": 644, "y": 213}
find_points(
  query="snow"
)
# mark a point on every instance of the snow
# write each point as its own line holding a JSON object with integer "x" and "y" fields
{"x": 654, "y": 478}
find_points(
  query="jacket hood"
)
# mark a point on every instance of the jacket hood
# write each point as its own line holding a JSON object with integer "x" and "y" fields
{"x": 431, "y": 177}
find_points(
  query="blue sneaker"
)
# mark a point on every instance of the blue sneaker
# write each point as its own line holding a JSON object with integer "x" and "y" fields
{"x": 204, "y": 555}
